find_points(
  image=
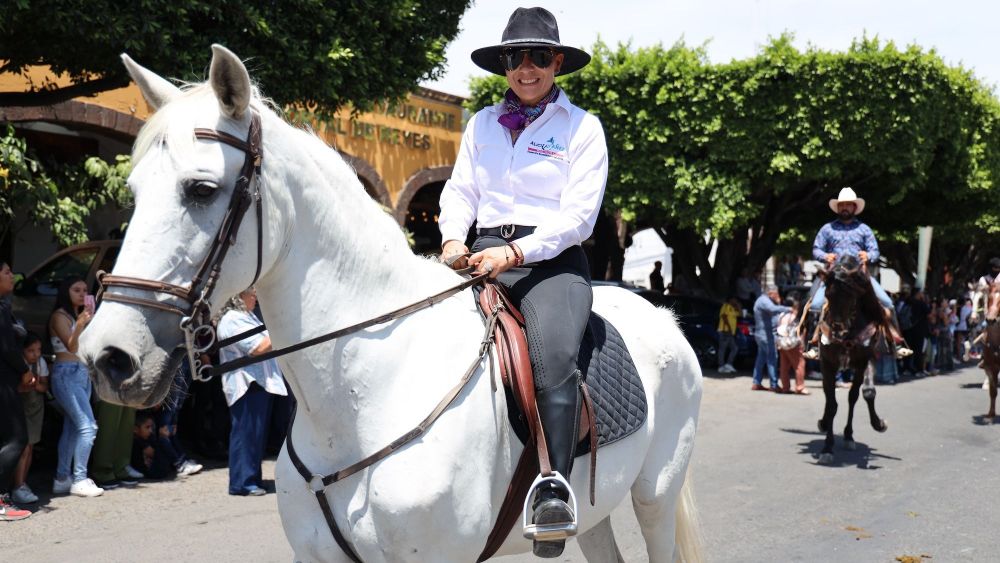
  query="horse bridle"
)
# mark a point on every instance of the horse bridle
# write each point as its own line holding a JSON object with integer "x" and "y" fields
{"x": 199, "y": 334}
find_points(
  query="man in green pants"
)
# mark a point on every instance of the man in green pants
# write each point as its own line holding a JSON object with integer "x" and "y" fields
{"x": 109, "y": 461}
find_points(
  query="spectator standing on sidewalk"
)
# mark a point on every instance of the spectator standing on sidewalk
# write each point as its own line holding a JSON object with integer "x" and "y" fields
{"x": 727, "y": 334}
{"x": 71, "y": 387}
{"x": 765, "y": 312}
{"x": 32, "y": 394}
{"x": 113, "y": 447}
{"x": 962, "y": 330}
{"x": 13, "y": 371}
{"x": 656, "y": 278}
{"x": 249, "y": 392}
{"x": 790, "y": 349}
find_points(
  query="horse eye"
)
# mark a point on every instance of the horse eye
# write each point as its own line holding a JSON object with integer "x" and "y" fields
{"x": 200, "y": 189}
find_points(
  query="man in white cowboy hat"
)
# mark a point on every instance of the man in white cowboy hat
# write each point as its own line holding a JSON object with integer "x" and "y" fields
{"x": 848, "y": 235}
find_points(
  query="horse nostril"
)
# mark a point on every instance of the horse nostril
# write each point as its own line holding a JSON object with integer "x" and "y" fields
{"x": 116, "y": 365}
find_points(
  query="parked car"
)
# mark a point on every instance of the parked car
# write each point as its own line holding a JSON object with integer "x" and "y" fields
{"x": 35, "y": 294}
{"x": 699, "y": 320}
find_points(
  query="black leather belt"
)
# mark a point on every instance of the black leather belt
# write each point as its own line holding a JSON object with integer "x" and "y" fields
{"x": 507, "y": 232}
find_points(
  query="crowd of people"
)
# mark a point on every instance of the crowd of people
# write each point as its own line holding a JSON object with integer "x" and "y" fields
{"x": 103, "y": 446}
{"x": 928, "y": 335}
{"x": 941, "y": 331}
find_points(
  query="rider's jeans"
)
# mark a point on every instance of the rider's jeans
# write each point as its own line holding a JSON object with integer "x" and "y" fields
{"x": 819, "y": 299}
{"x": 767, "y": 358}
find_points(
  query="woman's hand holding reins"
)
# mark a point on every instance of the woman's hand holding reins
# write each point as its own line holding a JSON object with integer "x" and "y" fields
{"x": 452, "y": 248}
{"x": 494, "y": 261}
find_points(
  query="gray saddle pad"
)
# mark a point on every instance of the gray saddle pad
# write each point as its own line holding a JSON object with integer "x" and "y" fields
{"x": 615, "y": 388}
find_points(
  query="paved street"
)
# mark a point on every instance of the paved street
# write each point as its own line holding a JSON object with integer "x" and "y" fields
{"x": 926, "y": 487}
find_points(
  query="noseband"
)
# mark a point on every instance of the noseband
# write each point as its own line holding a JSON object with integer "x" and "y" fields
{"x": 199, "y": 334}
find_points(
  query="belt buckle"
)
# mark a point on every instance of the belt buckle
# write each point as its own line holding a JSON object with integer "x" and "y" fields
{"x": 506, "y": 231}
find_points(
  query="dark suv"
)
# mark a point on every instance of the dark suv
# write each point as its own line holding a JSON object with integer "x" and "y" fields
{"x": 35, "y": 294}
{"x": 699, "y": 319}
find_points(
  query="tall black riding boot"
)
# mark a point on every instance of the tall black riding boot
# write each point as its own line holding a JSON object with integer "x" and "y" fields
{"x": 559, "y": 409}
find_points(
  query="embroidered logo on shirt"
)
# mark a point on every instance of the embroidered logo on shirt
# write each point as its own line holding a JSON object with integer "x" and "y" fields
{"x": 549, "y": 148}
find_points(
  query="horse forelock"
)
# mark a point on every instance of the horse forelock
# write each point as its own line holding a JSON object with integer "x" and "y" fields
{"x": 173, "y": 124}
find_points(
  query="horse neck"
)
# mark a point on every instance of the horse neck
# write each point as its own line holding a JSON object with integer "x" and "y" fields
{"x": 346, "y": 261}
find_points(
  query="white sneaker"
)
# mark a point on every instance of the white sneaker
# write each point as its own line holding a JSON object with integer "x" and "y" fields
{"x": 132, "y": 473}
{"x": 86, "y": 488}
{"x": 23, "y": 495}
{"x": 62, "y": 486}
{"x": 189, "y": 467}
{"x": 730, "y": 368}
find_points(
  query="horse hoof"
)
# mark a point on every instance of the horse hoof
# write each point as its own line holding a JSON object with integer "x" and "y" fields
{"x": 850, "y": 445}
{"x": 884, "y": 426}
{"x": 826, "y": 459}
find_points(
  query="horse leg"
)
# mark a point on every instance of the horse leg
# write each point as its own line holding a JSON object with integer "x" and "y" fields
{"x": 991, "y": 375}
{"x": 868, "y": 392}
{"x": 852, "y": 399}
{"x": 829, "y": 411}
{"x": 598, "y": 544}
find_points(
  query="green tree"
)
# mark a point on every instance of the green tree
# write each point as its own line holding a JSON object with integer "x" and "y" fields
{"x": 307, "y": 51}
{"x": 58, "y": 197}
{"x": 735, "y": 155}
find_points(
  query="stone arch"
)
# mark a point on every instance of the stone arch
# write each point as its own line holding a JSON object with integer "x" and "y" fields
{"x": 413, "y": 185}
{"x": 90, "y": 116}
{"x": 370, "y": 179}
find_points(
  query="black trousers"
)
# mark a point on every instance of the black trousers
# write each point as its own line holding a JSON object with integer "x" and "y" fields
{"x": 555, "y": 298}
{"x": 13, "y": 434}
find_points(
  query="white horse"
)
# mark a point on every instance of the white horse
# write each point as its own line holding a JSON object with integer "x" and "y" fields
{"x": 333, "y": 258}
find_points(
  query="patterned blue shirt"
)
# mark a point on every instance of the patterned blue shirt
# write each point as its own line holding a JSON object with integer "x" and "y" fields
{"x": 837, "y": 238}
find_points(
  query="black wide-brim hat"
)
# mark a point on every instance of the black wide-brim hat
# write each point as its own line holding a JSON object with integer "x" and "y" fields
{"x": 530, "y": 27}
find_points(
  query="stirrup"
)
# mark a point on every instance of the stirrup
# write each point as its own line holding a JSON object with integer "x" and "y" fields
{"x": 548, "y": 532}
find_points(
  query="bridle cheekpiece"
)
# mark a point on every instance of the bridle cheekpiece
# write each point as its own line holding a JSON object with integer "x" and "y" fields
{"x": 196, "y": 322}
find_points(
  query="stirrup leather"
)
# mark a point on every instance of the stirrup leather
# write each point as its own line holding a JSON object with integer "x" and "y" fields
{"x": 549, "y": 532}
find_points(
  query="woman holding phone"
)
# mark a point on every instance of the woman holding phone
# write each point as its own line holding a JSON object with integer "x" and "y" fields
{"x": 71, "y": 387}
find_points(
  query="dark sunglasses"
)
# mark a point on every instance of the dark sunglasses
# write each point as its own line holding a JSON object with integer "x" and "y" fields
{"x": 540, "y": 56}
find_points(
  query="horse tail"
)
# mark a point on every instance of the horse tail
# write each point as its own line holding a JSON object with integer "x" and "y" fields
{"x": 687, "y": 530}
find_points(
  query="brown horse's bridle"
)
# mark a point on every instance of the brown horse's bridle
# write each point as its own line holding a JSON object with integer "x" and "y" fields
{"x": 199, "y": 334}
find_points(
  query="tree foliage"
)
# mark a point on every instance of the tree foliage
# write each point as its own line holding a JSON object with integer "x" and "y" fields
{"x": 748, "y": 150}
{"x": 55, "y": 196}
{"x": 307, "y": 51}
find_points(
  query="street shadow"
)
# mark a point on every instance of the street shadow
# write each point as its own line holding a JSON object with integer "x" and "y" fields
{"x": 983, "y": 420}
{"x": 861, "y": 457}
{"x": 971, "y": 386}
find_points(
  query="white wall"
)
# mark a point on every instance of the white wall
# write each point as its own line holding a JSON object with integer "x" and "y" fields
{"x": 647, "y": 247}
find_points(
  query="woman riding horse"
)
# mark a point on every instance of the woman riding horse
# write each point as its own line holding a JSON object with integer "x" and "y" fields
{"x": 531, "y": 172}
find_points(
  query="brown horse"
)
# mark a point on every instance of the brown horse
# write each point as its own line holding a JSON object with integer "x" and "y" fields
{"x": 851, "y": 326}
{"x": 991, "y": 345}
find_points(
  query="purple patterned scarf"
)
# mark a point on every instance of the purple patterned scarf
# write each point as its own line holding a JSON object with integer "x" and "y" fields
{"x": 516, "y": 116}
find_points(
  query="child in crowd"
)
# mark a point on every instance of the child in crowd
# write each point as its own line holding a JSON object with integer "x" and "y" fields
{"x": 153, "y": 450}
{"x": 143, "y": 453}
{"x": 32, "y": 391}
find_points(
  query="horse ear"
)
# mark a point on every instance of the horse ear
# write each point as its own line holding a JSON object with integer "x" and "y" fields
{"x": 156, "y": 89}
{"x": 230, "y": 81}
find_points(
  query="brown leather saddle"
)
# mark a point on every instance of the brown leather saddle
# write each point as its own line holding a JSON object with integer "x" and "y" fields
{"x": 511, "y": 347}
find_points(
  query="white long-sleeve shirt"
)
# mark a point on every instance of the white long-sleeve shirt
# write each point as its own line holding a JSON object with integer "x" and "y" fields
{"x": 552, "y": 178}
